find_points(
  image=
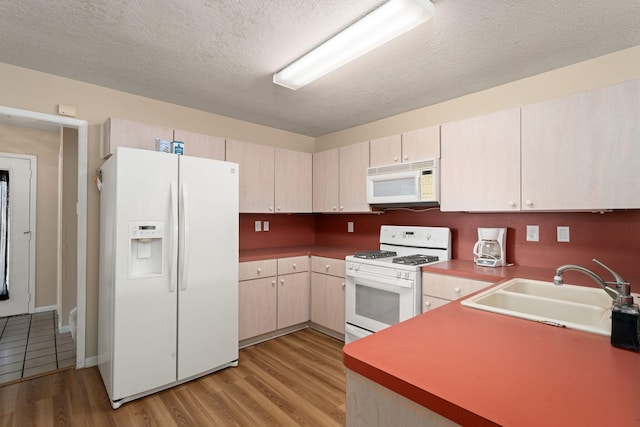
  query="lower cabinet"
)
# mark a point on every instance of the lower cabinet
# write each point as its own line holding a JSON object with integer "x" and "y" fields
{"x": 327, "y": 293}
{"x": 273, "y": 294}
{"x": 440, "y": 289}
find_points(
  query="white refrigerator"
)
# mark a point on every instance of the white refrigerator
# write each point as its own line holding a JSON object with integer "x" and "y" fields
{"x": 168, "y": 290}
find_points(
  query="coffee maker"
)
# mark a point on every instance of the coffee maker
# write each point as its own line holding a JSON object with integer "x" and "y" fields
{"x": 489, "y": 250}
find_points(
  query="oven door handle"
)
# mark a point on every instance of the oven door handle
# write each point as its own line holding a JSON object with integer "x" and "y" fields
{"x": 380, "y": 282}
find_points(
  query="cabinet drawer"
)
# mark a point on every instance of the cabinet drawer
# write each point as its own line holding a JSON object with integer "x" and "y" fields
{"x": 256, "y": 269}
{"x": 332, "y": 266}
{"x": 296, "y": 264}
{"x": 429, "y": 303}
{"x": 450, "y": 287}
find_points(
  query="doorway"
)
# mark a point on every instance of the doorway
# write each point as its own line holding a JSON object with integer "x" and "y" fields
{"x": 17, "y": 234}
{"x": 37, "y": 120}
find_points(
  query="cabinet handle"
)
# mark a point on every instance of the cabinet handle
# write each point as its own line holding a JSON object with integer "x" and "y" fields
{"x": 281, "y": 281}
{"x": 456, "y": 290}
{"x": 427, "y": 304}
{"x": 335, "y": 208}
{"x": 406, "y": 157}
{"x": 395, "y": 159}
{"x": 259, "y": 270}
{"x": 343, "y": 285}
{"x": 273, "y": 283}
{"x": 326, "y": 267}
{"x": 341, "y": 207}
{"x": 293, "y": 265}
{"x": 271, "y": 208}
{"x": 529, "y": 203}
{"x": 279, "y": 208}
{"x": 512, "y": 203}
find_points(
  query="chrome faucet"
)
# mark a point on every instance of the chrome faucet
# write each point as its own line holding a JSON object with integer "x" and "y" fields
{"x": 621, "y": 294}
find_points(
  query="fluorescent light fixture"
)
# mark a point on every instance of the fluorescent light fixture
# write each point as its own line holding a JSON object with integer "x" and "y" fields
{"x": 380, "y": 26}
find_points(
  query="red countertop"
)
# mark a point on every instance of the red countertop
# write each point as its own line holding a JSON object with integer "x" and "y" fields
{"x": 283, "y": 252}
{"x": 480, "y": 368}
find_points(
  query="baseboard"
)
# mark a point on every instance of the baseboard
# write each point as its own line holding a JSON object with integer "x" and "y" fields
{"x": 46, "y": 308}
{"x": 63, "y": 329}
{"x": 90, "y": 361}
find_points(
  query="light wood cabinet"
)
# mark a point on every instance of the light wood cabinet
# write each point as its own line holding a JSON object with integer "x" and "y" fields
{"x": 407, "y": 147}
{"x": 354, "y": 161}
{"x": 582, "y": 151}
{"x": 327, "y": 293}
{"x": 199, "y": 145}
{"x": 293, "y": 181}
{"x": 293, "y": 291}
{"x": 421, "y": 144}
{"x": 126, "y": 133}
{"x": 326, "y": 187}
{"x": 274, "y": 294}
{"x": 256, "y": 175}
{"x": 272, "y": 180}
{"x": 440, "y": 289}
{"x": 480, "y": 164}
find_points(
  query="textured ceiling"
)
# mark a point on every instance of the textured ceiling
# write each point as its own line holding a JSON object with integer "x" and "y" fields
{"x": 219, "y": 56}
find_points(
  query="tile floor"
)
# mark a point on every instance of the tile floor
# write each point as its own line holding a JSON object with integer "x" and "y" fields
{"x": 30, "y": 345}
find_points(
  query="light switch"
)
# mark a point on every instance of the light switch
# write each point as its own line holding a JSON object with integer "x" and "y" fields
{"x": 258, "y": 225}
{"x": 533, "y": 233}
{"x": 265, "y": 226}
{"x": 563, "y": 233}
{"x": 350, "y": 227}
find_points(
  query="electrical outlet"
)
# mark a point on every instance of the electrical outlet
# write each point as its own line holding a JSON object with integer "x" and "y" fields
{"x": 258, "y": 226}
{"x": 563, "y": 233}
{"x": 265, "y": 226}
{"x": 350, "y": 227}
{"x": 533, "y": 233}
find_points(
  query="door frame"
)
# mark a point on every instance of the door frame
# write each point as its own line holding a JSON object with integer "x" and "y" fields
{"x": 37, "y": 120}
{"x": 33, "y": 165}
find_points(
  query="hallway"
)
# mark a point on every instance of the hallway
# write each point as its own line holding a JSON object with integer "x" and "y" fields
{"x": 31, "y": 345}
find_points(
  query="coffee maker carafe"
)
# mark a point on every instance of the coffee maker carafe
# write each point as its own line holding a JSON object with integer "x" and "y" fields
{"x": 489, "y": 250}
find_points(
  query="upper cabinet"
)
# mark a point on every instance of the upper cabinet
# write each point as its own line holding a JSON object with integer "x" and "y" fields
{"x": 326, "y": 182}
{"x": 480, "y": 164}
{"x": 339, "y": 179}
{"x": 293, "y": 181}
{"x": 272, "y": 179}
{"x": 126, "y": 133}
{"x": 199, "y": 145}
{"x": 406, "y": 147}
{"x": 582, "y": 152}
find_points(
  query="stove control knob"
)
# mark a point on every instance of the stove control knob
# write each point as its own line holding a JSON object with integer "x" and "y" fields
{"x": 406, "y": 274}
{"x": 428, "y": 236}
{"x": 398, "y": 274}
{"x": 357, "y": 267}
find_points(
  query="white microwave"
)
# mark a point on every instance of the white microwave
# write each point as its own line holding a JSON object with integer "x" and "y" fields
{"x": 404, "y": 183}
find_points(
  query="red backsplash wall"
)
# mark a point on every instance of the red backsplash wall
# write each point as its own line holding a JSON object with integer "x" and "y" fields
{"x": 612, "y": 237}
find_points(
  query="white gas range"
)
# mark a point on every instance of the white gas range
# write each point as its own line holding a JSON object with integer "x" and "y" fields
{"x": 385, "y": 287}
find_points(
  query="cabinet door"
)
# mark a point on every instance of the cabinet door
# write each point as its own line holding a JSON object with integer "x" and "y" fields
{"x": 199, "y": 145}
{"x": 354, "y": 161}
{"x": 293, "y": 299}
{"x": 293, "y": 181}
{"x": 421, "y": 144}
{"x": 331, "y": 266}
{"x": 385, "y": 151}
{"x": 257, "y": 307}
{"x": 326, "y": 166}
{"x": 126, "y": 133}
{"x": 327, "y": 301}
{"x": 582, "y": 152}
{"x": 256, "y": 175}
{"x": 480, "y": 165}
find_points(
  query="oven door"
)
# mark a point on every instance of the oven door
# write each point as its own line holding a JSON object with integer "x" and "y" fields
{"x": 374, "y": 302}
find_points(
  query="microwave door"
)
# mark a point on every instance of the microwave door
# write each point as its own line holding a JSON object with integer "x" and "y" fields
{"x": 394, "y": 188}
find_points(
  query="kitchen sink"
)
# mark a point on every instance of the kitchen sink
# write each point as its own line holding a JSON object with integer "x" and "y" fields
{"x": 574, "y": 307}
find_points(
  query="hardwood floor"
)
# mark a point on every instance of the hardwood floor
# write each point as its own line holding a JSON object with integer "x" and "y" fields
{"x": 297, "y": 379}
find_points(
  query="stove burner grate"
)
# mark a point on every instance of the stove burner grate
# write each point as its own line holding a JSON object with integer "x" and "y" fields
{"x": 415, "y": 259}
{"x": 375, "y": 254}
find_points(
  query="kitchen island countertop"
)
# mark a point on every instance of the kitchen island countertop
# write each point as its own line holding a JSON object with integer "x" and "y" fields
{"x": 481, "y": 368}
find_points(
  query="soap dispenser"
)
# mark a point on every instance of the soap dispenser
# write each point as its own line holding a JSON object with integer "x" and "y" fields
{"x": 625, "y": 326}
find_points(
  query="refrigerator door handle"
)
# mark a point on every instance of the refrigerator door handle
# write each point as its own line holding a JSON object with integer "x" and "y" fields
{"x": 184, "y": 252}
{"x": 173, "y": 266}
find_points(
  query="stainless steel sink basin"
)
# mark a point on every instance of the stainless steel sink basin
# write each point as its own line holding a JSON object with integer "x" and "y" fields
{"x": 575, "y": 307}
